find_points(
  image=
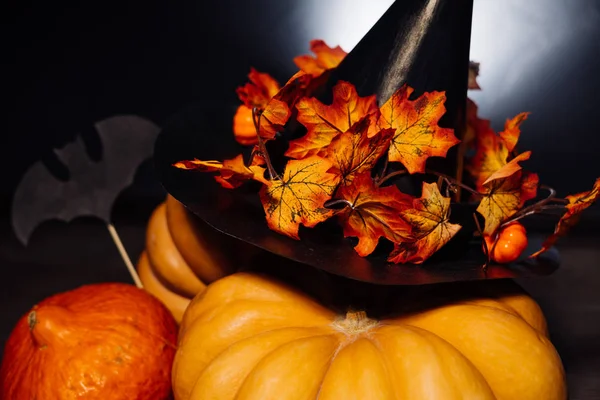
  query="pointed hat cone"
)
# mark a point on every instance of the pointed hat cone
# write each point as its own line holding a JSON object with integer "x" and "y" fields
{"x": 422, "y": 43}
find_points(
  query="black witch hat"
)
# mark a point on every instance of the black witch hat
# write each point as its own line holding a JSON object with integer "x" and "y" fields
{"x": 422, "y": 43}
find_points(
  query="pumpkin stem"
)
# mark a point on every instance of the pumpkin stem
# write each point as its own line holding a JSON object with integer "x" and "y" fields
{"x": 32, "y": 319}
{"x": 48, "y": 325}
{"x": 354, "y": 322}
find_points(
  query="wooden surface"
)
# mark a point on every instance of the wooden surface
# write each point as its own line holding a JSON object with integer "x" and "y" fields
{"x": 63, "y": 256}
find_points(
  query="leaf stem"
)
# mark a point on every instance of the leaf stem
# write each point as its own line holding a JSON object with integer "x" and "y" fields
{"x": 261, "y": 145}
{"x": 334, "y": 202}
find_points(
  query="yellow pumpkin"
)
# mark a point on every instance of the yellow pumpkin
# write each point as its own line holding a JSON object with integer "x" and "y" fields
{"x": 173, "y": 301}
{"x": 169, "y": 266}
{"x": 250, "y": 337}
{"x": 182, "y": 255}
{"x": 200, "y": 246}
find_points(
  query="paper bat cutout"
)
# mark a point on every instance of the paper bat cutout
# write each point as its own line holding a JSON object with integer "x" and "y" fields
{"x": 93, "y": 186}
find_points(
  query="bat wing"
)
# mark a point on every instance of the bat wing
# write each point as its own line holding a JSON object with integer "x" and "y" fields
{"x": 41, "y": 196}
{"x": 127, "y": 141}
{"x": 93, "y": 186}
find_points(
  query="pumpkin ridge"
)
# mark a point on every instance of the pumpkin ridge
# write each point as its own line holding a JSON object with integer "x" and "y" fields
{"x": 252, "y": 281}
{"x": 213, "y": 312}
{"x": 510, "y": 310}
{"x": 306, "y": 334}
{"x": 386, "y": 361}
{"x": 333, "y": 357}
{"x": 260, "y": 334}
{"x": 259, "y": 362}
{"x": 428, "y": 335}
{"x": 545, "y": 343}
{"x": 250, "y": 336}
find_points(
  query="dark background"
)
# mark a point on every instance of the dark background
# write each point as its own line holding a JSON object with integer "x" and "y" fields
{"x": 67, "y": 65}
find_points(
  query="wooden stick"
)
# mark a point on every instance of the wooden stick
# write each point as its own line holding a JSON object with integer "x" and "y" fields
{"x": 117, "y": 240}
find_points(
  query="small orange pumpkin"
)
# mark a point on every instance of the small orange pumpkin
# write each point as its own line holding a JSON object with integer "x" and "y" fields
{"x": 250, "y": 337}
{"x": 102, "y": 341}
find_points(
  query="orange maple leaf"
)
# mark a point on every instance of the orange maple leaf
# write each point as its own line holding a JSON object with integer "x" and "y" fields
{"x": 324, "y": 122}
{"x": 233, "y": 172}
{"x": 577, "y": 204}
{"x": 509, "y": 168}
{"x": 417, "y": 136}
{"x": 503, "y": 197}
{"x": 354, "y": 152}
{"x": 273, "y": 118}
{"x": 512, "y": 131}
{"x": 373, "y": 213}
{"x": 298, "y": 197}
{"x": 326, "y": 58}
{"x": 493, "y": 150}
{"x": 490, "y": 156}
{"x": 257, "y": 93}
{"x": 475, "y": 126}
{"x": 430, "y": 227}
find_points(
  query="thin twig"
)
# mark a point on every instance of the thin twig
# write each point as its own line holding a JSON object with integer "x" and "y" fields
{"x": 254, "y": 153}
{"x": 560, "y": 200}
{"x": 537, "y": 210}
{"x": 540, "y": 203}
{"x": 486, "y": 250}
{"x": 517, "y": 217}
{"x": 117, "y": 240}
{"x": 385, "y": 167}
{"x": 455, "y": 182}
{"x": 261, "y": 145}
{"x": 460, "y": 167}
{"x": 390, "y": 176}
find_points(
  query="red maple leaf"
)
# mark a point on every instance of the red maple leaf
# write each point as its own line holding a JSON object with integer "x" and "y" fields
{"x": 372, "y": 213}
{"x": 430, "y": 227}
{"x": 354, "y": 152}
{"x": 577, "y": 204}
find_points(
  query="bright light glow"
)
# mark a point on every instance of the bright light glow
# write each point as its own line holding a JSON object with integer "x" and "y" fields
{"x": 342, "y": 22}
{"x": 515, "y": 41}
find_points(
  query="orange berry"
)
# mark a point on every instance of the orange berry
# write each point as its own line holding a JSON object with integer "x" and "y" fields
{"x": 510, "y": 243}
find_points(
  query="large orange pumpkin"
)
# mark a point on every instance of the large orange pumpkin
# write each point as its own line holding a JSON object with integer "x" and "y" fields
{"x": 102, "y": 341}
{"x": 250, "y": 337}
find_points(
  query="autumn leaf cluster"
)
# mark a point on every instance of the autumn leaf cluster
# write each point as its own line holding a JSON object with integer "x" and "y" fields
{"x": 342, "y": 167}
